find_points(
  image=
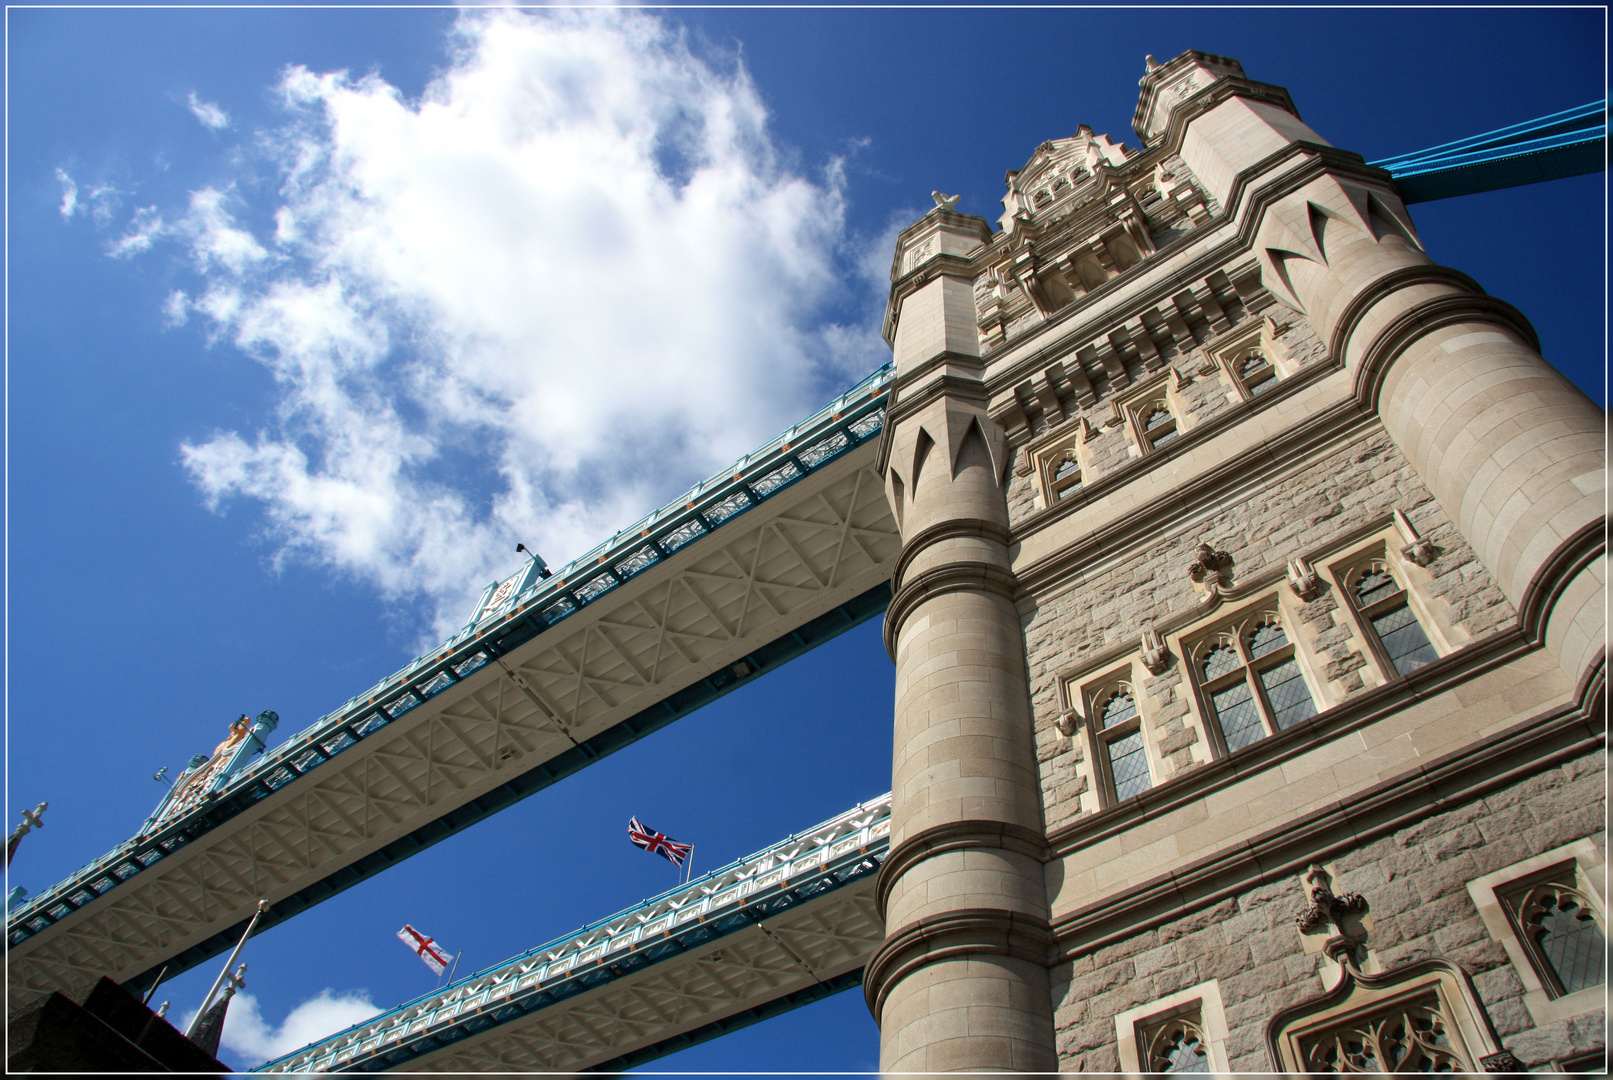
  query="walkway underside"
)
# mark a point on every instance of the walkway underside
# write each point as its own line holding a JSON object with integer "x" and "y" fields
{"x": 535, "y": 700}
{"x": 786, "y": 926}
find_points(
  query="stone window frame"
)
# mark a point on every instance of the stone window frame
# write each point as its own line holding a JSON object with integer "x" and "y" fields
{"x": 1135, "y": 1024}
{"x": 1190, "y": 643}
{"x": 1490, "y": 894}
{"x": 1139, "y": 403}
{"x": 1069, "y": 446}
{"x": 1360, "y": 996}
{"x": 1343, "y": 571}
{"x": 1094, "y": 696}
{"x": 1224, "y": 356}
{"x": 1078, "y": 692}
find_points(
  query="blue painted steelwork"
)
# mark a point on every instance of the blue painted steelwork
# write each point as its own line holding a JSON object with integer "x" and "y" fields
{"x": 794, "y": 870}
{"x": 1568, "y": 143}
{"x": 850, "y": 420}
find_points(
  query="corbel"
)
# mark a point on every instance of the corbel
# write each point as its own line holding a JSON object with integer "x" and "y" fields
{"x": 1147, "y": 351}
{"x": 1209, "y": 568}
{"x": 1418, "y": 549}
{"x": 1080, "y": 385}
{"x": 1155, "y": 657}
{"x": 1179, "y": 381}
{"x": 1303, "y": 579}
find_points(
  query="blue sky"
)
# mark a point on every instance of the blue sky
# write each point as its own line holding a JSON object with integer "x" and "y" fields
{"x": 295, "y": 357}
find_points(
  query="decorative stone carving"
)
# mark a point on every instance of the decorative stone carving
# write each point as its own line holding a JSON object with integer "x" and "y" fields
{"x": 1303, "y": 579}
{"x": 1068, "y": 723}
{"x": 1209, "y": 568}
{"x": 1418, "y": 548}
{"x": 1325, "y": 907}
{"x": 1155, "y": 656}
{"x": 1502, "y": 1061}
{"x": 945, "y": 202}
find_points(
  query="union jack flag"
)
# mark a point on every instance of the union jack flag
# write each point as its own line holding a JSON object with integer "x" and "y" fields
{"x": 657, "y": 843}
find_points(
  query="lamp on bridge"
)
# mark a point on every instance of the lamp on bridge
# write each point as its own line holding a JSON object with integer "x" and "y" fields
{"x": 543, "y": 567}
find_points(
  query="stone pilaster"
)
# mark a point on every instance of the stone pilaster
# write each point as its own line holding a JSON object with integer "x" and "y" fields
{"x": 961, "y": 982}
{"x": 1512, "y": 450}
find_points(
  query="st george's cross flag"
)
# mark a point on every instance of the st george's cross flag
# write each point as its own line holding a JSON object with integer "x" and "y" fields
{"x": 426, "y": 948}
{"x": 652, "y": 841}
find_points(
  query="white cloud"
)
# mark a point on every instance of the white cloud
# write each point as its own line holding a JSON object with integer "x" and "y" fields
{"x": 253, "y": 1041}
{"x": 176, "y": 309}
{"x": 209, "y": 114}
{"x": 69, "y": 195}
{"x": 144, "y": 229}
{"x": 574, "y": 277}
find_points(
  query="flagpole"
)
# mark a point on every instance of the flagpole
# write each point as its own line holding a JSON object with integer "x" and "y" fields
{"x": 455, "y": 968}
{"x": 689, "y": 870}
{"x": 208, "y": 1000}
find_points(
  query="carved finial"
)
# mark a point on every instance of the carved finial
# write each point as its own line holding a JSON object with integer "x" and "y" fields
{"x": 1305, "y": 582}
{"x": 1155, "y": 656}
{"x": 1327, "y": 907}
{"x": 945, "y": 202}
{"x": 1418, "y": 549}
{"x": 1209, "y": 568}
{"x": 1068, "y": 723}
{"x": 1150, "y": 61}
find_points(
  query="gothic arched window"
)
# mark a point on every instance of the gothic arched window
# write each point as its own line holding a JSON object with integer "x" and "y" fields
{"x": 1117, "y": 729}
{"x": 1251, "y": 681}
{"x": 1384, "y": 605}
{"x": 1564, "y": 938}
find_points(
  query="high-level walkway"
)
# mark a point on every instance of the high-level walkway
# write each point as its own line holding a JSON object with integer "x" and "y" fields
{"x": 789, "y": 547}
{"x": 790, "y": 924}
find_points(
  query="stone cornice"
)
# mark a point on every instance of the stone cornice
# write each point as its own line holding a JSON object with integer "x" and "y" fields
{"x": 1208, "y": 490}
{"x": 955, "y": 836}
{"x": 946, "y": 530}
{"x": 1425, "y": 274}
{"x": 1541, "y": 742}
{"x": 952, "y": 935}
{"x": 937, "y": 581}
{"x": 1573, "y": 555}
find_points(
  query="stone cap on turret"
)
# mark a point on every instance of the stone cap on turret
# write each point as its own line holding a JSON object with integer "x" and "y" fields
{"x": 939, "y": 240}
{"x": 1180, "y": 85}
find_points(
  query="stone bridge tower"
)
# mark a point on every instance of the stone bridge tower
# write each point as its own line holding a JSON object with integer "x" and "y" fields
{"x": 1249, "y": 623}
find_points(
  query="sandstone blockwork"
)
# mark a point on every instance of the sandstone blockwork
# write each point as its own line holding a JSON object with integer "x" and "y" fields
{"x": 1414, "y": 881}
{"x": 1302, "y": 541}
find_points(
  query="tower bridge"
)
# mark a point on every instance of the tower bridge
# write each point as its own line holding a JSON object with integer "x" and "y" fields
{"x": 1083, "y": 407}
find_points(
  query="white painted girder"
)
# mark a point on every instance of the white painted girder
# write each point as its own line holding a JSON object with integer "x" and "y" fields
{"x": 813, "y": 546}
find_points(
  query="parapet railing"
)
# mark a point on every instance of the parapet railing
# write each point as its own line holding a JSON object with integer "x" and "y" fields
{"x": 774, "y": 879}
{"x": 850, "y": 420}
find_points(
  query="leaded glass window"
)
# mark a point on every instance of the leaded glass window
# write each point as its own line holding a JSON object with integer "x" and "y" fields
{"x": 1385, "y": 606}
{"x": 1251, "y": 681}
{"x": 1411, "y": 1036}
{"x": 1157, "y": 424}
{"x": 1122, "y": 757}
{"x": 1563, "y": 934}
{"x": 1065, "y": 478}
{"x": 1176, "y": 1044}
{"x": 1255, "y": 373}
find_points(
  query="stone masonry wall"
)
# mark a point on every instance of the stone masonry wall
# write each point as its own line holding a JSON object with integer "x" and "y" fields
{"x": 1365, "y": 479}
{"x": 1415, "y": 884}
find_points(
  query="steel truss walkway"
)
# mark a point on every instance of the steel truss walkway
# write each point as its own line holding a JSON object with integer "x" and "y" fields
{"x": 791, "y": 546}
{"x": 790, "y": 924}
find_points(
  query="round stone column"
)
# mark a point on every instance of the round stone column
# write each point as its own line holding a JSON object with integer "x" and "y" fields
{"x": 961, "y": 982}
